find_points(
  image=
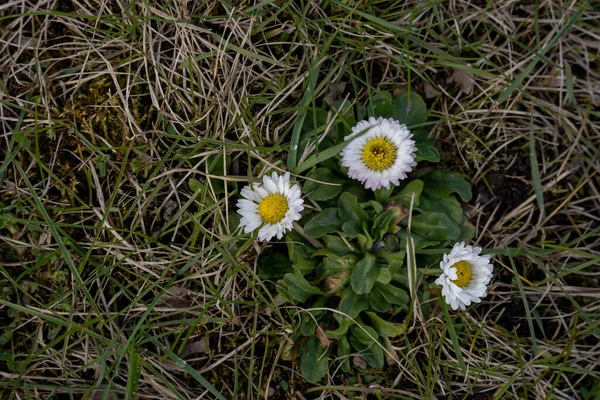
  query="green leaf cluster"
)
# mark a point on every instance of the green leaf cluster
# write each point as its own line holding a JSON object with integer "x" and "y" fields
{"x": 352, "y": 288}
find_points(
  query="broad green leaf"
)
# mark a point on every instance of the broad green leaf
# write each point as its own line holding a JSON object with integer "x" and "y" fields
{"x": 323, "y": 223}
{"x": 364, "y": 241}
{"x": 344, "y": 109}
{"x": 308, "y": 325}
{"x": 364, "y": 275}
{"x": 467, "y": 231}
{"x": 404, "y": 196}
{"x": 410, "y": 110}
{"x": 314, "y": 361}
{"x": 296, "y": 245}
{"x": 385, "y": 276}
{"x": 392, "y": 294}
{"x": 364, "y": 333}
{"x": 299, "y": 288}
{"x": 300, "y": 253}
{"x": 427, "y": 152}
{"x": 344, "y": 324}
{"x": 419, "y": 241}
{"x": 385, "y": 328}
{"x": 195, "y": 185}
{"x": 382, "y": 225}
{"x": 375, "y": 205}
{"x": 378, "y": 302}
{"x": 348, "y": 209}
{"x": 396, "y": 267}
{"x": 333, "y": 265}
{"x": 370, "y": 350}
{"x": 322, "y": 191}
{"x": 315, "y": 117}
{"x": 274, "y": 266}
{"x": 435, "y": 226}
{"x": 352, "y": 304}
{"x": 344, "y": 350}
{"x": 441, "y": 184}
{"x": 382, "y": 195}
{"x": 352, "y": 229}
{"x": 380, "y": 105}
{"x": 336, "y": 244}
{"x": 447, "y": 205}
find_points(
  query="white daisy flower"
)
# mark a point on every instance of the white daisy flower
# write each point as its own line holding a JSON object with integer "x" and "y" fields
{"x": 382, "y": 155}
{"x": 465, "y": 275}
{"x": 273, "y": 206}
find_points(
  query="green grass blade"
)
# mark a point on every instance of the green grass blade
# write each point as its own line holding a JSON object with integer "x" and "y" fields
{"x": 535, "y": 173}
{"x": 182, "y": 364}
{"x": 517, "y": 82}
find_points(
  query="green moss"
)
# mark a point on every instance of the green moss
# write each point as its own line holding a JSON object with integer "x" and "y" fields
{"x": 98, "y": 111}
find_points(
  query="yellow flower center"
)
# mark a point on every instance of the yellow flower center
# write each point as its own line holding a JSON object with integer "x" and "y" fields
{"x": 272, "y": 208}
{"x": 463, "y": 273}
{"x": 379, "y": 154}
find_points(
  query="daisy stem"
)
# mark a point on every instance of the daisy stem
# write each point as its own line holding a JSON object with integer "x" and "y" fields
{"x": 430, "y": 271}
{"x": 315, "y": 243}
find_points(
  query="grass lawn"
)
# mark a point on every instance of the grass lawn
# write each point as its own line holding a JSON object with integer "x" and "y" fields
{"x": 128, "y": 130}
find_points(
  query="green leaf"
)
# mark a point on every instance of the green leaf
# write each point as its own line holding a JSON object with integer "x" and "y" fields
{"x": 426, "y": 149}
{"x": 333, "y": 264}
{"x": 364, "y": 241}
{"x": 315, "y": 118}
{"x": 344, "y": 324}
{"x": 382, "y": 224}
{"x": 404, "y": 196}
{"x": 296, "y": 245}
{"x": 299, "y": 288}
{"x": 368, "y": 348}
{"x": 419, "y": 241}
{"x": 467, "y": 231}
{"x": 410, "y": 109}
{"x": 447, "y": 205}
{"x": 322, "y": 191}
{"x": 364, "y": 333}
{"x": 364, "y": 275}
{"x": 348, "y": 209}
{"x": 352, "y": 304}
{"x": 274, "y": 266}
{"x": 344, "y": 350}
{"x": 380, "y": 105}
{"x": 435, "y": 226}
{"x": 308, "y": 325}
{"x": 441, "y": 184}
{"x": 378, "y": 302}
{"x": 382, "y": 195}
{"x": 323, "y": 223}
{"x": 427, "y": 152}
{"x": 385, "y": 276}
{"x": 392, "y": 294}
{"x": 195, "y": 185}
{"x": 385, "y": 328}
{"x": 314, "y": 361}
{"x": 353, "y": 229}
{"x": 300, "y": 253}
{"x": 336, "y": 244}
{"x": 375, "y": 205}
